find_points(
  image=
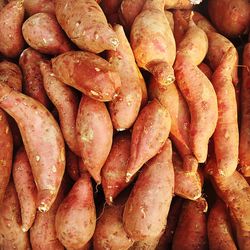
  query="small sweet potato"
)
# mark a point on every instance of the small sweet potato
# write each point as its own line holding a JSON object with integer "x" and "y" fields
{"x": 29, "y": 62}
{"x": 43, "y": 142}
{"x": 149, "y": 134}
{"x": 88, "y": 73}
{"x": 85, "y": 24}
{"x": 11, "y": 234}
{"x": 76, "y": 216}
{"x": 94, "y": 135}
{"x": 43, "y": 33}
{"x": 11, "y": 20}
{"x": 37, "y": 6}
{"x": 191, "y": 231}
{"x": 146, "y": 210}
{"x": 219, "y": 229}
{"x": 125, "y": 107}
{"x": 65, "y": 99}
{"x": 25, "y": 187}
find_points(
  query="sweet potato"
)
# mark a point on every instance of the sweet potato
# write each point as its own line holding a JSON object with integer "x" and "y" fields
{"x": 245, "y": 114}
{"x": 11, "y": 19}
{"x": 43, "y": 33}
{"x": 219, "y": 229}
{"x": 231, "y": 17}
{"x": 125, "y": 107}
{"x": 115, "y": 167}
{"x": 29, "y": 62}
{"x": 72, "y": 165}
{"x": 200, "y": 20}
{"x": 191, "y": 231}
{"x": 25, "y": 187}
{"x": 76, "y": 217}
{"x": 170, "y": 17}
{"x": 149, "y": 134}
{"x": 37, "y": 6}
{"x": 144, "y": 90}
{"x": 88, "y": 73}
{"x": 94, "y": 135}
{"x": 85, "y": 24}
{"x": 146, "y": 210}
{"x": 110, "y": 9}
{"x": 226, "y": 135}
{"x": 11, "y": 234}
{"x": 6, "y": 145}
{"x": 202, "y": 102}
{"x": 43, "y": 142}
{"x": 153, "y": 42}
{"x": 65, "y": 99}
{"x": 206, "y": 70}
{"x": 149, "y": 244}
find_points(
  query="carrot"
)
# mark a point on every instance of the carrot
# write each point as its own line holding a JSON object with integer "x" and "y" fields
{"x": 43, "y": 142}
{"x": 149, "y": 134}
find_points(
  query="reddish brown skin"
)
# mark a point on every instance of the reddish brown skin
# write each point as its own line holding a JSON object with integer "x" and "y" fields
{"x": 245, "y": 114}
{"x": 125, "y": 107}
{"x": 94, "y": 135}
{"x": 86, "y": 25}
{"x": 88, "y": 73}
{"x": 231, "y": 17}
{"x": 64, "y": 99}
{"x": 29, "y": 62}
{"x": 191, "y": 231}
{"x": 37, "y": 6}
{"x": 153, "y": 42}
{"x": 110, "y": 9}
{"x": 43, "y": 142}
{"x": 11, "y": 20}
{"x": 219, "y": 229}
{"x": 25, "y": 187}
{"x": 226, "y": 135}
{"x": 76, "y": 216}
{"x": 11, "y": 234}
{"x": 43, "y": 33}
{"x": 206, "y": 70}
{"x": 202, "y": 102}
{"x": 149, "y": 134}
{"x": 72, "y": 165}
{"x": 6, "y": 145}
{"x": 115, "y": 167}
{"x": 146, "y": 210}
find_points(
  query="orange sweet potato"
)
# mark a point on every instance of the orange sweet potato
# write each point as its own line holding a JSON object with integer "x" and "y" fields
{"x": 115, "y": 167}
{"x": 202, "y": 102}
{"x": 25, "y": 187}
{"x": 43, "y": 33}
{"x": 226, "y": 135}
{"x": 33, "y": 82}
{"x": 146, "y": 210}
{"x": 245, "y": 114}
{"x": 94, "y": 135}
{"x": 206, "y": 70}
{"x": 125, "y": 107}
{"x": 88, "y": 73}
{"x": 153, "y": 42}
{"x": 191, "y": 231}
{"x": 37, "y": 6}
{"x": 76, "y": 216}
{"x": 149, "y": 134}
{"x": 72, "y": 165}
{"x": 11, "y": 234}
{"x": 65, "y": 99}
{"x": 219, "y": 229}
{"x": 43, "y": 142}
{"x": 11, "y": 19}
{"x": 85, "y": 24}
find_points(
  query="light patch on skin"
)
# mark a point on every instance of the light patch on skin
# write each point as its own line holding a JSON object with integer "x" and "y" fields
{"x": 88, "y": 135}
{"x": 195, "y": 1}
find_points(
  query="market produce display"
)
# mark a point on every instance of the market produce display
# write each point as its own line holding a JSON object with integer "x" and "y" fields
{"x": 124, "y": 124}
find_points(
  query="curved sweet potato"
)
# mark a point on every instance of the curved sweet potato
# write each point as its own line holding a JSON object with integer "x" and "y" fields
{"x": 85, "y": 24}
{"x": 43, "y": 33}
{"x": 149, "y": 134}
{"x": 65, "y": 99}
{"x": 11, "y": 20}
{"x": 37, "y": 6}
{"x": 43, "y": 142}
{"x": 125, "y": 107}
{"x": 94, "y": 135}
{"x": 146, "y": 210}
{"x": 25, "y": 187}
{"x": 88, "y": 73}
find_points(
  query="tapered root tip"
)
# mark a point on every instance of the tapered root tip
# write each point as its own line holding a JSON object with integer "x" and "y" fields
{"x": 43, "y": 208}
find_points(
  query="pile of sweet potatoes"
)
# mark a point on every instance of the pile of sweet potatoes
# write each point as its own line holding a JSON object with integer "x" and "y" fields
{"x": 124, "y": 124}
